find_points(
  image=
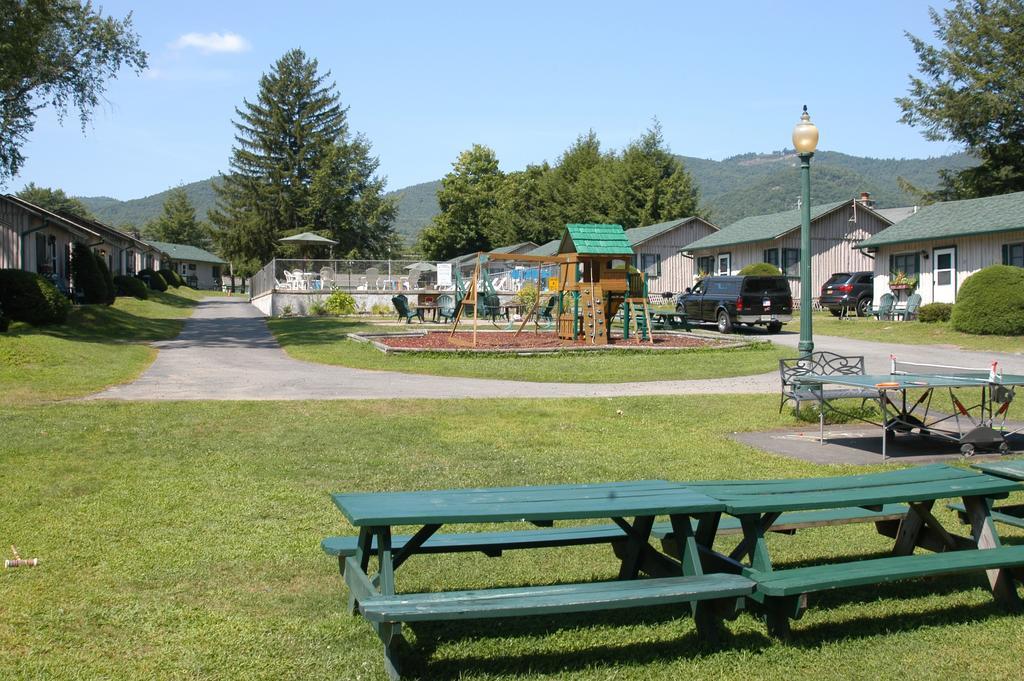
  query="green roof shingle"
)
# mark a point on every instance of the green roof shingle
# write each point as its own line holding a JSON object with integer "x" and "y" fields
{"x": 760, "y": 227}
{"x": 595, "y": 240}
{"x": 638, "y": 235}
{"x": 185, "y": 252}
{"x": 1004, "y": 213}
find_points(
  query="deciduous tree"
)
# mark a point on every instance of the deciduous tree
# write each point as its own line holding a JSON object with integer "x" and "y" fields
{"x": 56, "y": 53}
{"x": 178, "y": 224}
{"x": 53, "y": 199}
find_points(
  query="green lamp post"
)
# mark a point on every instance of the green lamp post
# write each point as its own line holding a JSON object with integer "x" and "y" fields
{"x": 805, "y": 140}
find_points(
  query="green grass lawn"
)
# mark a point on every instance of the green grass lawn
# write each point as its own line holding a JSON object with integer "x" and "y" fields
{"x": 178, "y": 541}
{"x": 98, "y": 346}
{"x": 911, "y": 333}
{"x": 322, "y": 340}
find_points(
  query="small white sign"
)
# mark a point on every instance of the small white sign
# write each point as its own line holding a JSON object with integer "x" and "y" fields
{"x": 444, "y": 274}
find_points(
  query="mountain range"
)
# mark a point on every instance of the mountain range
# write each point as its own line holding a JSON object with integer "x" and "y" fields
{"x": 730, "y": 189}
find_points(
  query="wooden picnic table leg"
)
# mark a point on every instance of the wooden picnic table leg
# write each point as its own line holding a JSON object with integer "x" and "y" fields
{"x": 704, "y": 614}
{"x": 983, "y": 529}
{"x": 637, "y": 543}
{"x": 362, "y": 557}
{"x": 777, "y": 611}
{"x": 909, "y": 532}
{"x": 390, "y": 632}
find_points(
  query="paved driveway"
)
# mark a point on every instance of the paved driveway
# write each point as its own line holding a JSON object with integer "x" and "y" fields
{"x": 226, "y": 352}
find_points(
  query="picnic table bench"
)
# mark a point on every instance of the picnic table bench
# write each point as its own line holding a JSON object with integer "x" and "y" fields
{"x": 631, "y": 506}
{"x": 688, "y": 569}
{"x": 671, "y": 319}
{"x": 781, "y": 594}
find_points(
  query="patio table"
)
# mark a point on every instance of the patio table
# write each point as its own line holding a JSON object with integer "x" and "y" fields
{"x": 782, "y": 593}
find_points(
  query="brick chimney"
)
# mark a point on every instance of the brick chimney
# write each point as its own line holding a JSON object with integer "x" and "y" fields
{"x": 866, "y": 200}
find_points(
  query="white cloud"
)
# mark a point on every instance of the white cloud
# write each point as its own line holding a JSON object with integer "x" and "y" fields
{"x": 208, "y": 43}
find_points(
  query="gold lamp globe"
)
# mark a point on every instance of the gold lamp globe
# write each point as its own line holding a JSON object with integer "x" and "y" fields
{"x": 805, "y": 134}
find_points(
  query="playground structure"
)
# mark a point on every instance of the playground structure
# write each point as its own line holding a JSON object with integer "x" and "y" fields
{"x": 595, "y": 280}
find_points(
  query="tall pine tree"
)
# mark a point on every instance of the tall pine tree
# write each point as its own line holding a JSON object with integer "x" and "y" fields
{"x": 178, "y": 224}
{"x": 292, "y": 153}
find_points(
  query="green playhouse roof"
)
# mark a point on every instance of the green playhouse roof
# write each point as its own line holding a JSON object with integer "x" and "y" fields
{"x": 595, "y": 240}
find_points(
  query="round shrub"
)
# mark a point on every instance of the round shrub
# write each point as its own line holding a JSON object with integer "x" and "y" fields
{"x": 935, "y": 312}
{"x": 86, "y": 275}
{"x": 131, "y": 286}
{"x": 340, "y": 303}
{"x": 171, "y": 277}
{"x": 31, "y": 298}
{"x": 108, "y": 279}
{"x": 154, "y": 279}
{"x": 180, "y": 279}
{"x": 991, "y": 301}
{"x": 761, "y": 269}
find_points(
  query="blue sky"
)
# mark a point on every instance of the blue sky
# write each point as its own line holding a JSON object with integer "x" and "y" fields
{"x": 426, "y": 80}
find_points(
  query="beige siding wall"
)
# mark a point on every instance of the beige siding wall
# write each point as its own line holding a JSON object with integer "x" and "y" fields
{"x": 12, "y": 224}
{"x": 972, "y": 254}
{"x": 203, "y": 272}
{"x": 677, "y": 270}
{"x": 832, "y": 248}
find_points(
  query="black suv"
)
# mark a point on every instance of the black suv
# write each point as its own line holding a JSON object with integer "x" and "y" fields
{"x": 728, "y": 301}
{"x": 844, "y": 290}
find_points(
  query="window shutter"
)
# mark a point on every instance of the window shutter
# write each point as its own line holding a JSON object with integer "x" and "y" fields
{"x": 917, "y": 262}
{"x": 892, "y": 264}
{"x": 658, "y": 256}
{"x": 1006, "y": 254}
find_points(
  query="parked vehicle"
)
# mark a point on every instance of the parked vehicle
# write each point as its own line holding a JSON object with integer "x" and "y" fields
{"x": 850, "y": 291}
{"x": 728, "y": 301}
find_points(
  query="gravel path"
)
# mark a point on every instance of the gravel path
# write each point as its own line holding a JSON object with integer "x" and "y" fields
{"x": 226, "y": 352}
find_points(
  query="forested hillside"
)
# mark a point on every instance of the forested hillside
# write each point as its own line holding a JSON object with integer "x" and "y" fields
{"x": 749, "y": 184}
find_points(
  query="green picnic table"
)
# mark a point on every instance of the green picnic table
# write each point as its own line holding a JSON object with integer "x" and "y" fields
{"x": 781, "y": 593}
{"x": 670, "y": 319}
{"x": 1012, "y": 514}
{"x": 631, "y": 506}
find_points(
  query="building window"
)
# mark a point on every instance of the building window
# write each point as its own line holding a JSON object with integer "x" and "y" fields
{"x": 791, "y": 262}
{"x": 705, "y": 264}
{"x": 1013, "y": 254}
{"x": 771, "y": 256}
{"x": 650, "y": 263}
{"x": 908, "y": 263}
{"x": 192, "y": 267}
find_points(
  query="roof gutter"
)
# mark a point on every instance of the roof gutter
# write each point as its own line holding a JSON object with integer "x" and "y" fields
{"x": 943, "y": 236}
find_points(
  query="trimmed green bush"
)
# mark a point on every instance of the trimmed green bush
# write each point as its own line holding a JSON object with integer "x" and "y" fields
{"x": 761, "y": 269}
{"x": 340, "y": 303}
{"x": 5, "y": 323}
{"x": 317, "y": 309}
{"x": 131, "y": 286}
{"x": 107, "y": 277}
{"x": 154, "y": 279}
{"x": 991, "y": 302}
{"x": 171, "y": 277}
{"x": 86, "y": 276}
{"x": 935, "y": 312}
{"x": 180, "y": 279}
{"x": 31, "y": 298}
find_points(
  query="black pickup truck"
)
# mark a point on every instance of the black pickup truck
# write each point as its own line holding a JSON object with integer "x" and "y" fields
{"x": 728, "y": 301}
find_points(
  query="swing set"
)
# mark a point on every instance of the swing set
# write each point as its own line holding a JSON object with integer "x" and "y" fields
{"x": 595, "y": 281}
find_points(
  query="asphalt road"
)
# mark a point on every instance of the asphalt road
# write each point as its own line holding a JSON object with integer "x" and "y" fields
{"x": 226, "y": 352}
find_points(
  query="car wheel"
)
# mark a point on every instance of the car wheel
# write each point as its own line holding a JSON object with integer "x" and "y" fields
{"x": 835, "y": 311}
{"x": 774, "y": 327}
{"x": 863, "y": 305}
{"x": 724, "y": 323}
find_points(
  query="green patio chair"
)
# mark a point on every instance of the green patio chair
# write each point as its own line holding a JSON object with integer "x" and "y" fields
{"x": 446, "y": 308}
{"x": 913, "y": 305}
{"x": 401, "y": 304}
{"x": 545, "y": 315}
{"x": 884, "y": 309}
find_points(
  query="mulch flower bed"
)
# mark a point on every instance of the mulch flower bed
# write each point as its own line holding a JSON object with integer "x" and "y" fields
{"x": 441, "y": 340}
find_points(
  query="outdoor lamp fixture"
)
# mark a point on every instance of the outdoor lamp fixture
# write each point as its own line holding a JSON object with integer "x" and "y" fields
{"x": 805, "y": 140}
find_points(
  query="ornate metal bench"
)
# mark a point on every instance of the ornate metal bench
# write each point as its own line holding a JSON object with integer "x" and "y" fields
{"x": 821, "y": 364}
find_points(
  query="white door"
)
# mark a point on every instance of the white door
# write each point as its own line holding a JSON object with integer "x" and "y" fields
{"x": 724, "y": 263}
{"x": 944, "y": 275}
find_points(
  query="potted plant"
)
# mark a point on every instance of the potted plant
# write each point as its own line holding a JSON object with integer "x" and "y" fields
{"x": 901, "y": 281}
